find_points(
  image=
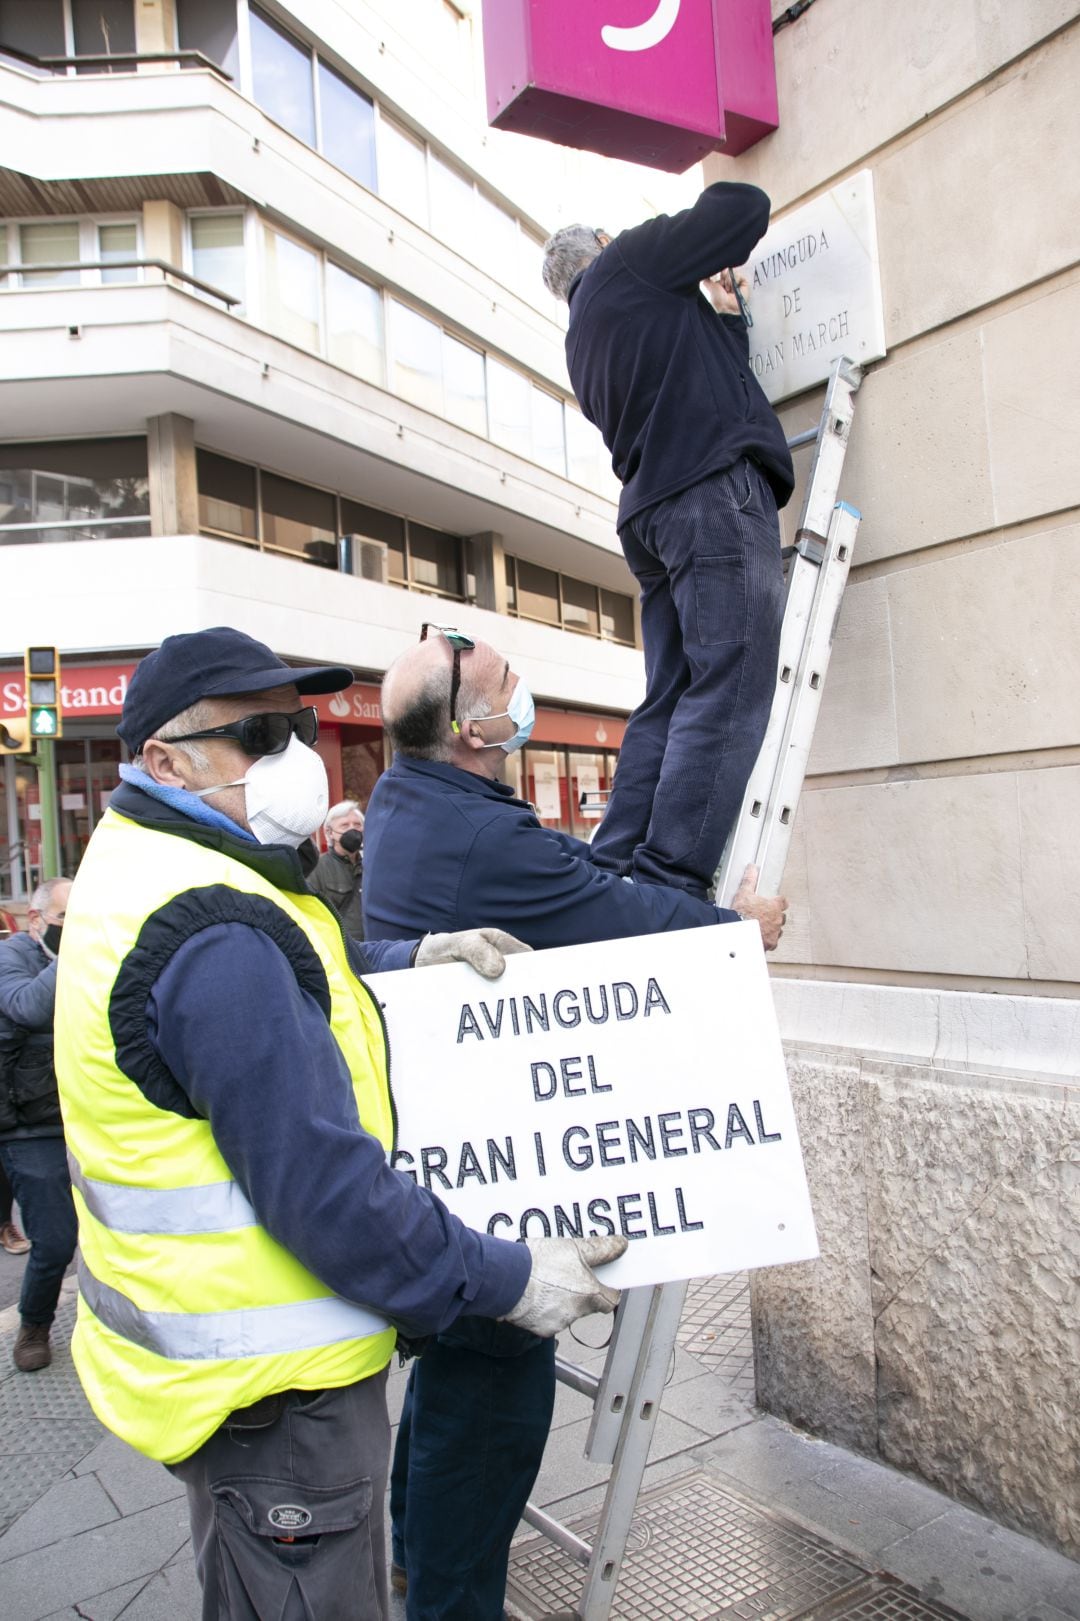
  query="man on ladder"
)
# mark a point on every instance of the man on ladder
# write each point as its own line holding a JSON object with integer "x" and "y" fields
{"x": 704, "y": 466}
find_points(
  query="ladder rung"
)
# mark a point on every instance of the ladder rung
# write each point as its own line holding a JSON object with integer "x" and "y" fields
{"x": 578, "y": 1378}
{"x": 799, "y": 439}
{"x": 558, "y": 1533}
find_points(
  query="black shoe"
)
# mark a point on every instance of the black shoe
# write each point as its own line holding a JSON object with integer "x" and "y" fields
{"x": 31, "y": 1350}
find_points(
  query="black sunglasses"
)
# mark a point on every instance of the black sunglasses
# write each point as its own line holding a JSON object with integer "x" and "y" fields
{"x": 461, "y": 644}
{"x": 262, "y": 734}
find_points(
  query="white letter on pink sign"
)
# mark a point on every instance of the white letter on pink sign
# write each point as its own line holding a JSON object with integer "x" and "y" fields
{"x": 644, "y": 35}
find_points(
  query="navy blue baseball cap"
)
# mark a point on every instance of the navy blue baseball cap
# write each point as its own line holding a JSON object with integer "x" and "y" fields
{"x": 214, "y": 663}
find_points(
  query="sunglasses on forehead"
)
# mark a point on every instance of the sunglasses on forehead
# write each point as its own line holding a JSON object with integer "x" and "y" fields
{"x": 460, "y": 644}
{"x": 262, "y": 734}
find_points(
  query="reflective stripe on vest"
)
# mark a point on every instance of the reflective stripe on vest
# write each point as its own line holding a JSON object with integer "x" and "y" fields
{"x": 206, "y": 1336}
{"x": 213, "y": 1207}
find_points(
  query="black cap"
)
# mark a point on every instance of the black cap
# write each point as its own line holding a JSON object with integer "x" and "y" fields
{"x": 211, "y": 664}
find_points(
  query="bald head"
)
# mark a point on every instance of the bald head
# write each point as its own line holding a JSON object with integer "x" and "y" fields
{"x": 416, "y": 702}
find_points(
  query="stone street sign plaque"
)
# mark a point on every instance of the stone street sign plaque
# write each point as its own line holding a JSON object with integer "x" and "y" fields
{"x": 815, "y": 290}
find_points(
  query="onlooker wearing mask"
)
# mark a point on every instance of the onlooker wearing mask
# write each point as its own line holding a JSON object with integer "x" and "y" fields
{"x": 339, "y": 871}
{"x": 32, "y": 1148}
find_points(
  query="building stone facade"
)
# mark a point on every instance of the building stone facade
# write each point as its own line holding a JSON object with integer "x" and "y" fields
{"x": 927, "y": 982}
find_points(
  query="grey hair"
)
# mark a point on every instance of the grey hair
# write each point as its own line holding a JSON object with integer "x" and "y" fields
{"x": 567, "y": 252}
{"x": 41, "y": 899}
{"x": 194, "y": 719}
{"x": 422, "y": 730}
{"x": 342, "y": 808}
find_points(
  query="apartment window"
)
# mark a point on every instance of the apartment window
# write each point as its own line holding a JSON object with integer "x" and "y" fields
{"x": 537, "y": 595}
{"x": 227, "y": 497}
{"x": 49, "y": 242}
{"x": 281, "y": 69}
{"x": 347, "y": 126}
{"x": 548, "y": 444}
{"x": 585, "y": 451}
{"x": 209, "y": 27}
{"x": 617, "y": 617}
{"x": 463, "y": 379}
{"x": 509, "y": 408}
{"x": 73, "y": 489}
{"x": 291, "y": 289}
{"x": 434, "y": 561}
{"x": 580, "y": 606}
{"x": 103, "y": 28}
{"x": 417, "y": 357}
{"x": 217, "y": 251}
{"x": 372, "y": 524}
{"x": 403, "y": 171}
{"x": 354, "y": 324}
{"x": 118, "y": 242}
{"x": 34, "y": 26}
{"x": 453, "y": 205}
{"x": 298, "y": 519}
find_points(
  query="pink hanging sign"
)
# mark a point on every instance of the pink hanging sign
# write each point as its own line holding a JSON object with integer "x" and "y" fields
{"x": 658, "y": 82}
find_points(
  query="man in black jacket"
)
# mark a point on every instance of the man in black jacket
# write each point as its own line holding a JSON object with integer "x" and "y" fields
{"x": 664, "y": 373}
{"x": 31, "y": 1131}
{"x": 339, "y": 872}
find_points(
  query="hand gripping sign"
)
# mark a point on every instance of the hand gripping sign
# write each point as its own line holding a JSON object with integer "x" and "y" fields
{"x": 659, "y": 82}
{"x": 636, "y": 1086}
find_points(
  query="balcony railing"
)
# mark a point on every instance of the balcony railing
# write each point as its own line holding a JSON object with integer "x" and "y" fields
{"x": 228, "y": 299}
{"x": 106, "y": 60}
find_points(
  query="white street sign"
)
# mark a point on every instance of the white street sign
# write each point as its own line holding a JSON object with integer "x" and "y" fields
{"x": 635, "y": 1086}
{"x": 815, "y": 290}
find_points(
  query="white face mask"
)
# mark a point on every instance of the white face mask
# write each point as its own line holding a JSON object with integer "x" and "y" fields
{"x": 287, "y": 795}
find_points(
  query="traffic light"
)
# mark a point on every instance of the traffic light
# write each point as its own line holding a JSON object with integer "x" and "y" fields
{"x": 15, "y": 735}
{"x": 43, "y": 692}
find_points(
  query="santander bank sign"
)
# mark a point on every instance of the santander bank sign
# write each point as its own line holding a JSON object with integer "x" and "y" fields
{"x": 658, "y": 82}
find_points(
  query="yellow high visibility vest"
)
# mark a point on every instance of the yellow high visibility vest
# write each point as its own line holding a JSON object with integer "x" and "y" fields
{"x": 188, "y": 1308}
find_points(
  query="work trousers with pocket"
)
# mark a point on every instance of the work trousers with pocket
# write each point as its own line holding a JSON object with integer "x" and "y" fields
{"x": 286, "y": 1505}
{"x": 470, "y": 1444}
{"x": 712, "y": 601}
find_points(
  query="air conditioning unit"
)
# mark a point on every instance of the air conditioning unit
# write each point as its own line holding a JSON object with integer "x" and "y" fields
{"x": 367, "y": 558}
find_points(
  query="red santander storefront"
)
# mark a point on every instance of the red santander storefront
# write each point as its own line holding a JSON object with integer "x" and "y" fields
{"x": 572, "y": 754}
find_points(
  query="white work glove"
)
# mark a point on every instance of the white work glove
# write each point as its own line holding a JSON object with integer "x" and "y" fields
{"x": 486, "y": 950}
{"x": 562, "y": 1285}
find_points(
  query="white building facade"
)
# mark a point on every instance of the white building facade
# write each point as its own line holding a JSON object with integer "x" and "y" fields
{"x": 267, "y": 282}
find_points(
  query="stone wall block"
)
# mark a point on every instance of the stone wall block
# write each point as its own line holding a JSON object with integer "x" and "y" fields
{"x": 1032, "y": 386}
{"x": 919, "y": 875}
{"x": 975, "y": 1249}
{"x": 986, "y": 649}
{"x": 918, "y": 461}
{"x": 856, "y": 726}
{"x": 1050, "y": 870}
{"x": 813, "y": 1342}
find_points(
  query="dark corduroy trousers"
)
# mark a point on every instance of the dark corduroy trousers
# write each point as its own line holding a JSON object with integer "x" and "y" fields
{"x": 712, "y": 601}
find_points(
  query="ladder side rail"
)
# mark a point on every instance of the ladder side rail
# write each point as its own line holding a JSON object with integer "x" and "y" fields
{"x": 632, "y": 1456}
{"x": 823, "y": 482}
{"x": 612, "y": 1401}
{"x": 779, "y": 819}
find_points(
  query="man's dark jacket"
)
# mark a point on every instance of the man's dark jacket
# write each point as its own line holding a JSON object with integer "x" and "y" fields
{"x": 449, "y": 850}
{"x": 336, "y": 880}
{"x": 665, "y": 379}
{"x": 29, "y": 1101}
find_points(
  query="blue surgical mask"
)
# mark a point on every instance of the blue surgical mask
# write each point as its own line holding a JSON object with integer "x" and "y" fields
{"x": 522, "y": 711}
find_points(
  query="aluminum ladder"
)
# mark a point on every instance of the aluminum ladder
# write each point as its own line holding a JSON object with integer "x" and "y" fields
{"x": 626, "y": 1396}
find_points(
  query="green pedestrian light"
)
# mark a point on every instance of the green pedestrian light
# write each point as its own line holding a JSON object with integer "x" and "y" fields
{"x": 43, "y": 723}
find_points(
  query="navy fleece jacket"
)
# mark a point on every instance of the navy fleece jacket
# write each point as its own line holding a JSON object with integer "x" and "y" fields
{"x": 446, "y": 849}
{"x": 255, "y": 1056}
{"x": 665, "y": 379}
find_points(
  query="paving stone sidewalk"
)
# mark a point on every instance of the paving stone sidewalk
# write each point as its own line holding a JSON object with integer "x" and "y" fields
{"x": 735, "y": 1504}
